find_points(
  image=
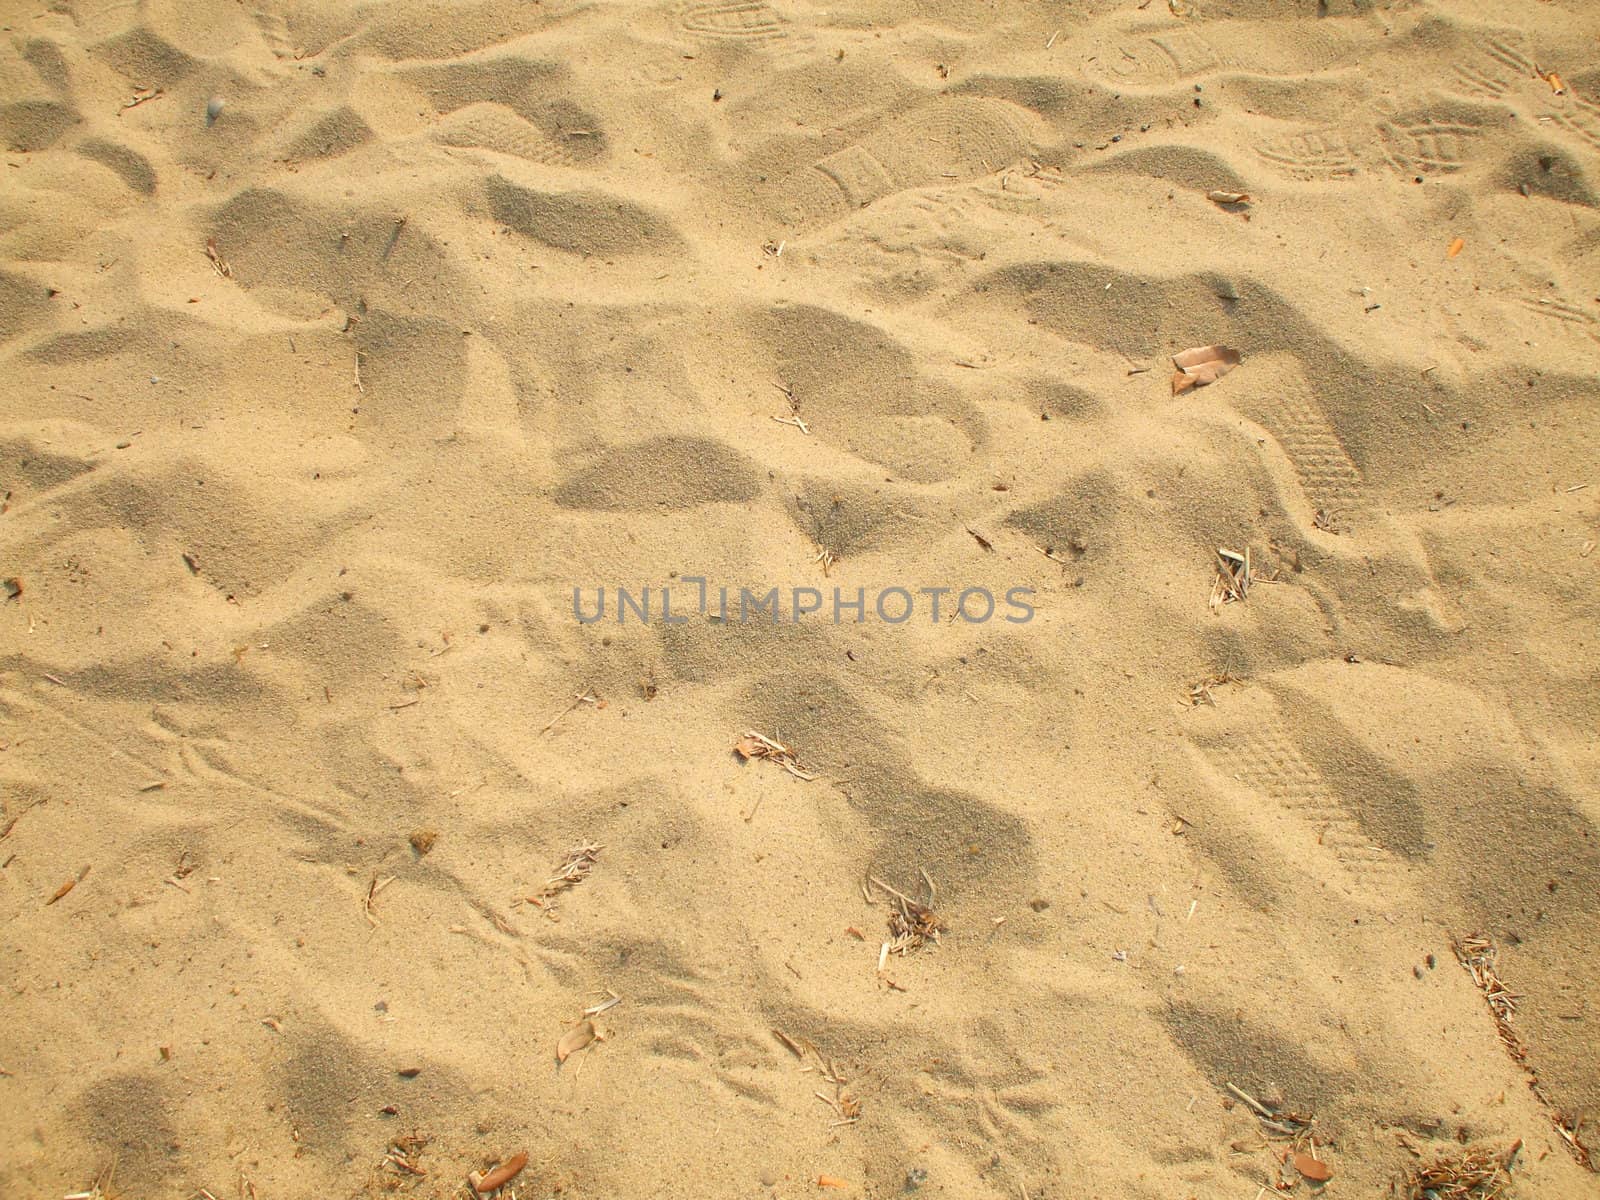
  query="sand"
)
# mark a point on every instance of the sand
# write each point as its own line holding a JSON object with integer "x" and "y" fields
{"x": 504, "y": 300}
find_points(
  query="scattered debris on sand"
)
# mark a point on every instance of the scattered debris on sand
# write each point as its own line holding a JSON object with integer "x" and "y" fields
{"x": 580, "y": 860}
{"x": 1200, "y": 693}
{"x": 1470, "y": 1173}
{"x": 912, "y": 923}
{"x": 846, "y": 1107}
{"x": 1478, "y": 955}
{"x": 756, "y": 745}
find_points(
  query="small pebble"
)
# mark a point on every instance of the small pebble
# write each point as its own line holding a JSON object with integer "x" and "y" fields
{"x": 214, "y": 107}
{"x": 769, "y": 1179}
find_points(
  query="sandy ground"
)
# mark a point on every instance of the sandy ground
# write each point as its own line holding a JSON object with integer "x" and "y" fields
{"x": 318, "y": 409}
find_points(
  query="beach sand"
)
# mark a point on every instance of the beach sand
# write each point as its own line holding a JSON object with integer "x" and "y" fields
{"x": 319, "y": 407}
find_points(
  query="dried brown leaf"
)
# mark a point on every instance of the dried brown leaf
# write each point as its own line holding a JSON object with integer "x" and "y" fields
{"x": 575, "y": 1039}
{"x": 62, "y": 891}
{"x": 1313, "y": 1168}
{"x": 1201, "y": 365}
{"x": 1188, "y": 360}
{"x": 489, "y": 1181}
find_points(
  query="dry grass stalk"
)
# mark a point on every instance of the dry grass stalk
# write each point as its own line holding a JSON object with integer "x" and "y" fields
{"x": 1477, "y": 955}
{"x": 912, "y": 924}
{"x": 1234, "y": 577}
{"x": 1200, "y": 693}
{"x": 101, "y": 1188}
{"x": 1570, "y": 1128}
{"x": 794, "y": 417}
{"x": 1292, "y": 1125}
{"x": 845, "y": 1106}
{"x": 1473, "y": 1173}
{"x": 580, "y": 861}
{"x": 587, "y": 696}
{"x": 185, "y": 868}
{"x": 377, "y": 885}
{"x": 218, "y": 263}
{"x": 756, "y": 745}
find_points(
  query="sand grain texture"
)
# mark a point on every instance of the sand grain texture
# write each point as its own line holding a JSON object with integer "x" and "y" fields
{"x": 505, "y": 300}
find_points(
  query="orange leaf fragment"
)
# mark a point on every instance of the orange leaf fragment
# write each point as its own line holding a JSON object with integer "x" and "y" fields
{"x": 1456, "y": 247}
{"x": 488, "y": 1181}
{"x": 1313, "y": 1169}
{"x": 1202, "y": 365}
{"x": 574, "y": 1039}
{"x": 1557, "y": 84}
{"x": 831, "y": 1181}
{"x": 62, "y": 891}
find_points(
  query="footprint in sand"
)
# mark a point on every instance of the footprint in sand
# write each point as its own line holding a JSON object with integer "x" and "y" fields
{"x": 943, "y": 141}
{"x": 1329, "y": 479}
{"x": 1495, "y": 64}
{"x": 1439, "y": 139}
{"x": 731, "y": 21}
{"x": 1249, "y": 743}
{"x": 1181, "y": 55}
